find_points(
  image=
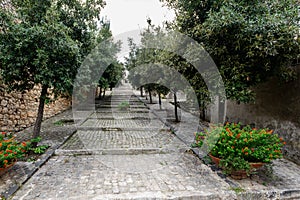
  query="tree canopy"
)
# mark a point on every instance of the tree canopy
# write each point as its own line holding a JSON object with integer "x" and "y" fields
{"x": 45, "y": 42}
{"x": 250, "y": 41}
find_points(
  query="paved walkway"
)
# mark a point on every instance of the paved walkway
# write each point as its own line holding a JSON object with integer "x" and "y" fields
{"x": 132, "y": 154}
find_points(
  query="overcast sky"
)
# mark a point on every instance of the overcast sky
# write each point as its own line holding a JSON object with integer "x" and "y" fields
{"x": 127, "y": 15}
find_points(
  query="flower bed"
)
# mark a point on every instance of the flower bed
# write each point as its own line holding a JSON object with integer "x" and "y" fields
{"x": 10, "y": 150}
{"x": 237, "y": 146}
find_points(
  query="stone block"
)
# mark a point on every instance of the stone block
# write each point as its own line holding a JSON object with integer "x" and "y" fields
{"x": 4, "y": 103}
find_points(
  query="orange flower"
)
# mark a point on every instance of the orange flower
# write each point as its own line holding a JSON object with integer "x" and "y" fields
{"x": 232, "y": 147}
{"x": 5, "y": 161}
{"x": 24, "y": 144}
{"x": 281, "y": 139}
{"x": 0, "y": 144}
{"x": 270, "y": 132}
{"x": 246, "y": 153}
{"x": 238, "y": 136}
{"x": 284, "y": 143}
{"x": 8, "y": 151}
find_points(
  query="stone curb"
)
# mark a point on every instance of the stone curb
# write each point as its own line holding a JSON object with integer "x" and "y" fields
{"x": 125, "y": 151}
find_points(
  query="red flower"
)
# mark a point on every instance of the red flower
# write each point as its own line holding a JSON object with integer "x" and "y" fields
{"x": 238, "y": 136}
{"x": 24, "y": 144}
{"x": 8, "y": 151}
{"x": 3, "y": 133}
{"x": 5, "y": 155}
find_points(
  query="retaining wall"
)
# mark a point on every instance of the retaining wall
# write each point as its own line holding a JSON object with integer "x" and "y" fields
{"x": 18, "y": 111}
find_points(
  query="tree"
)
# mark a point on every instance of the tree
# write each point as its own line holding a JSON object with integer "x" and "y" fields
{"x": 250, "y": 41}
{"x": 156, "y": 69}
{"x": 43, "y": 43}
{"x": 111, "y": 77}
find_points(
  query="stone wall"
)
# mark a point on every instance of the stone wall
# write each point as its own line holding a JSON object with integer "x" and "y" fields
{"x": 18, "y": 111}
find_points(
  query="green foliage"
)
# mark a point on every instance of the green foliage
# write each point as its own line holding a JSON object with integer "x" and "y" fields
{"x": 44, "y": 43}
{"x": 40, "y": 149}
{"x": 59, "y": 123}
{"x": 124, "y": 105}
{"x": 10, "y": 150}
{"x": 250, "y": 41}
{"x": 112, "y": 75}
{"x": 237, "y": 146}
{"x": 237, "y": 189}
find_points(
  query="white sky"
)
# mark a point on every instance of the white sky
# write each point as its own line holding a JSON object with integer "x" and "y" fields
{"x": 127, "y": 15}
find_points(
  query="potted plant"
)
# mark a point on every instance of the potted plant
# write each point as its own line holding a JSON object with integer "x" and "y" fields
{"x": 10, "y": 151}
{"x": 238, "y": 149}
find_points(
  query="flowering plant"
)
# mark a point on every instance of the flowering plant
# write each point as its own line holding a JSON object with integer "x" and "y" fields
{"x": 10, "y": 150}
{"x": 237, "y": 146}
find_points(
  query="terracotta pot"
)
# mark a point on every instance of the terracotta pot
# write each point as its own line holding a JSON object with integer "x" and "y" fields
{"x": 238, "y": 174}
{"x": 4, "y": 170}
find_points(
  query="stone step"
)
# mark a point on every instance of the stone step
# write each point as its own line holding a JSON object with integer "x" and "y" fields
{"x": 123, "y": 123}
{"x": 120, "y": 151}
{"x": 115, "y": 138}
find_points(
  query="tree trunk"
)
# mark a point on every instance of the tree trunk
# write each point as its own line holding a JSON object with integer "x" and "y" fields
{"x": 38, "y": 122}
{"x": 100, "y": 93}
{"x": 202, "y": 113}
{"x": 176, "y": 108}
{"x": 104, "y": 92}
{"x": 150, "y": 96}
{"x": 159, "y": 100}
{"x": 141, "y": 89}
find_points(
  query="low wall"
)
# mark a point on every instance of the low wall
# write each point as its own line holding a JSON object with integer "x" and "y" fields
{"x": 18, "y": 111}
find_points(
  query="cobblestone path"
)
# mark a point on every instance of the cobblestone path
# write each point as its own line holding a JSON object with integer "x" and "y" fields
{"x": 124, "y": 154}
{"x": 131, "y": 154}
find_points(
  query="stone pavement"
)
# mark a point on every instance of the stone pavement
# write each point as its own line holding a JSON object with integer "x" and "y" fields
{"x": 53, "y": 135}
{"x": 133, "y": 154}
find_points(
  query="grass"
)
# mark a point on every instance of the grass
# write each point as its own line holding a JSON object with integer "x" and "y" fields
{"x": 59, "y": 123}
{"x": 237, "y": 189}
